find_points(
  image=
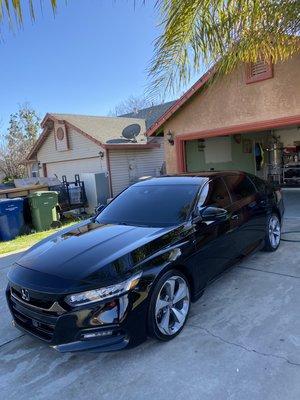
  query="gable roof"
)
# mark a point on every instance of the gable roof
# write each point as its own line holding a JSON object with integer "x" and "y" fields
{"x": 95, "y": 128}
{"x": 180, "y": 102}
{"x": 101, "y": 129}
{"x": 150, "y": 114}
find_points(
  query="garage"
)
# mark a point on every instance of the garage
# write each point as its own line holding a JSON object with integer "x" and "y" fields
{"x": 273, "y": 155}
{"x": 248, "y": 120}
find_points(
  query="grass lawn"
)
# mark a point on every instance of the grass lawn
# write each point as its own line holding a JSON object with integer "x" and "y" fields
{"x": 22, "y": 242}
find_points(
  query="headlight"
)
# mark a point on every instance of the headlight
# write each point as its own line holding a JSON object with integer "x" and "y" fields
{"x": 107, "y": 292}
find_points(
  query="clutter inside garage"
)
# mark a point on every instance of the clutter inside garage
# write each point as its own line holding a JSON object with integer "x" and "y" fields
{"x": 272, "y": 155}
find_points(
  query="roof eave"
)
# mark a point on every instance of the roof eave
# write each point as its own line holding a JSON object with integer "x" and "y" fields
{"x": 128, "y": 146}
{"x": 181, "y": 101}
{"x": 44, "y": 134}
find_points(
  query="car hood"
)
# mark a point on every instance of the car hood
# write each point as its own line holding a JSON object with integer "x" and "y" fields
{"x": 95, "y": 252}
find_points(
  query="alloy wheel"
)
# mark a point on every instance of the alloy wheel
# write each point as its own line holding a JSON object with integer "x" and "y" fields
{"x": 274, "y": 231}
{"x": 172, "y": 305}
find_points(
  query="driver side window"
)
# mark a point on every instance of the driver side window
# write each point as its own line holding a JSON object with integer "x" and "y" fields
{"x": 214, "y": 194}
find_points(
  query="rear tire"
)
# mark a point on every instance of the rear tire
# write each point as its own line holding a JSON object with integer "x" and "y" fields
{"x": 169, "y": 306}
{"x": 273, "y": 233}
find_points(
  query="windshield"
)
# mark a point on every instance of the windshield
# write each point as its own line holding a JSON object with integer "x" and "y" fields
{"x": 146, "y": 205}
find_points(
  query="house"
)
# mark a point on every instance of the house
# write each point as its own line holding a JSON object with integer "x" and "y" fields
{"x": 248, "y": 120}
{"x": 79, "y": 144}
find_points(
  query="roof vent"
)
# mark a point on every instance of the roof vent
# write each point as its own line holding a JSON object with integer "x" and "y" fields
{"x": 259, "y": 71}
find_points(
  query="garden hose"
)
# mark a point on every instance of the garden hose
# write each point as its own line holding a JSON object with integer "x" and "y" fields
{"x": 290, "y": 240}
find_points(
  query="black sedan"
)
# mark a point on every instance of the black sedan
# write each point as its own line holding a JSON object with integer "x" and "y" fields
{"x": 133, "y": 270}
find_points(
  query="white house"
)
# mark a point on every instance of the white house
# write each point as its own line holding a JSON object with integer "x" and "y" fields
{"x": 78, "y": 144}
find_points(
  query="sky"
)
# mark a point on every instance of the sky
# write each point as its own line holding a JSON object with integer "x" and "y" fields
{"x": 88, "y": 58}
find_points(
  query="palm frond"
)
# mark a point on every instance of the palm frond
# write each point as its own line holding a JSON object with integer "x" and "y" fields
{"x": 15, "y": 8}
{"x": 200, "y": 33}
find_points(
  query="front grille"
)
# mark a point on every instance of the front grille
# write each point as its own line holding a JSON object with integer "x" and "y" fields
{"x": 40, "y": 329}
{"x": 35, "y": 299}
{"x": 28, "y": 316}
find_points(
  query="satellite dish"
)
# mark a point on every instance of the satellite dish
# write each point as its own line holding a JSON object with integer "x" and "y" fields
{"x": 116, "y": 141}
{"x": 131, "y": 131}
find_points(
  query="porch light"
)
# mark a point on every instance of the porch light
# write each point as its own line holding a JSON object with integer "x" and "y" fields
{"x": 101, "y": 154}
{"x": 170, "y": 137}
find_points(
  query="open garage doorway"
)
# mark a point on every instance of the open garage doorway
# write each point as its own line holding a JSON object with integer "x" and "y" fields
{"x": 273, "y": 155}
{"x": 247, "y": 152}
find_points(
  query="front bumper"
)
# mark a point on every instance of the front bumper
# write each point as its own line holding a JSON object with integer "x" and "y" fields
{"x": 105, "y": 326}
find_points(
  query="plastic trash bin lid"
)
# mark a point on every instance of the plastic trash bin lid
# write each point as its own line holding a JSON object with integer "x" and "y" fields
{"x": 11, "y": 199}
{"x": 42, "y": 193}
{"x": 14, "y": 202}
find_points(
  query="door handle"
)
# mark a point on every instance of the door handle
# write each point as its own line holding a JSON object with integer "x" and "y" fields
{"x": 235, "y": 217}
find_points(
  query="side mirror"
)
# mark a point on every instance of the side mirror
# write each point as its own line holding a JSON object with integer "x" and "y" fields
{"x": 99, "y": 208}
{"x": 214, "y": 214}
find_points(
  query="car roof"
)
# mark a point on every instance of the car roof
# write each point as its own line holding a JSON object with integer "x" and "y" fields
{"x": 213, "y": 173}
{"x": 186, "y": 179}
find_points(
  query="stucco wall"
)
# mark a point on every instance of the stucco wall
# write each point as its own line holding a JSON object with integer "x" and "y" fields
{"x": 230, "y": 101}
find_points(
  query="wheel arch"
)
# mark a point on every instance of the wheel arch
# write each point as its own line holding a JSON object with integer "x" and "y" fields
{"x": 275, "y": 210}
{"x": 180, "y": 267}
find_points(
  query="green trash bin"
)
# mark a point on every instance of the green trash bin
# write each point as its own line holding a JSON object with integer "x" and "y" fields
{"x": 43, "y": 209}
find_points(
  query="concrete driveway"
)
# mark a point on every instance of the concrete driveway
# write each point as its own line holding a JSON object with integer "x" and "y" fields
{"x": 242, "y": 341}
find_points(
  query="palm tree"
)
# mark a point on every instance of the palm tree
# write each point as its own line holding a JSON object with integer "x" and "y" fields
{"x": 198, "y": 34}
{"x": 14, "y": 8}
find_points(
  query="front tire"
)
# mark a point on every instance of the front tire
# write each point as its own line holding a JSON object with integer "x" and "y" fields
{"x": 273, "y": 233}
{"x": 169, "y": 306}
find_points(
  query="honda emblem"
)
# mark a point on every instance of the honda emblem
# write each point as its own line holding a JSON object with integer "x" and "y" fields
{"x": 25, "y": 294}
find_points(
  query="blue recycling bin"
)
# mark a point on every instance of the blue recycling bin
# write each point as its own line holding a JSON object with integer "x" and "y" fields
{"x": 11, "y": 218}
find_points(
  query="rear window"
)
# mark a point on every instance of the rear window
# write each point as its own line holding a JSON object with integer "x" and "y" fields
{"x": 240, "y": 186}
